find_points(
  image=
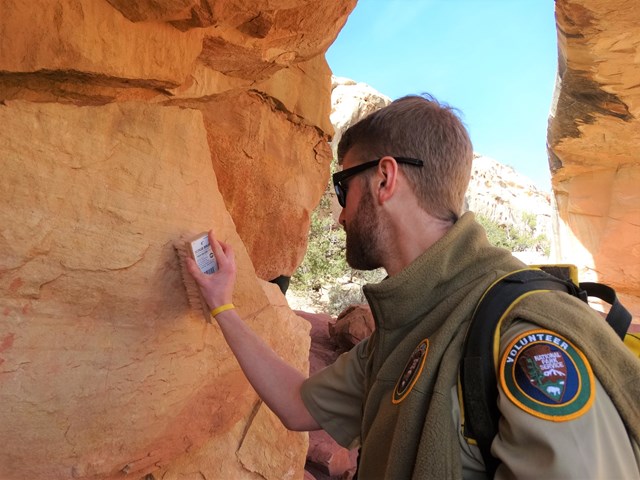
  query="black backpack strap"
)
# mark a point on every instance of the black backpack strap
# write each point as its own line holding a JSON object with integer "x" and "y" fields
{"x": 618, "y": 317}
{"x": 477, "y": 369}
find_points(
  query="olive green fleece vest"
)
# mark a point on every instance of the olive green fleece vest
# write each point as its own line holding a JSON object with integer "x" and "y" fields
{"x": 433, "y": 298}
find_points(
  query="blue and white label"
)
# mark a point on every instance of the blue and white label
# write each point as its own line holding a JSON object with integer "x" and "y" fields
{"x": 203, "y": 254}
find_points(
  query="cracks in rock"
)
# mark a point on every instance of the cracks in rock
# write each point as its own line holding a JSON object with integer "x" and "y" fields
{"x": 128, "y": 266}
{"x": 152, "y": 459}
{"x": 193, "y": 103}
{"x": 257, "y": 313}
{"x": 67, "y": 439}
{"x": 252, "y": 416}
{"x": 259, "y": 26}
{"x": 16, "y": 370}
{"x": 566, "y": 34}
{"x": 77, "y": 76}
{"x": 69, "y": 87}
{"x": 247, "y": 154}
{"x": 555, "y": 162}
{"x": 46, "y": 283}
{"x": 277, "y": 106}
{"x": 27, "y": 289}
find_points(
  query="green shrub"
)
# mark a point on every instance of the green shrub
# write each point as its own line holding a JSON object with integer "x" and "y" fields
{"x": 513, "y": 238}
{"x": 342, "y": 297}
{"x": 324, "y": 266}
{"x": 325, "y": 259}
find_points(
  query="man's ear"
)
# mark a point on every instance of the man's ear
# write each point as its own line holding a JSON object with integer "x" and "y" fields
{"x": 387, "y": 179}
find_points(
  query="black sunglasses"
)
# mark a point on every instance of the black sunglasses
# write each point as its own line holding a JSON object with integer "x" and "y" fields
{"x": 340, "y": 177}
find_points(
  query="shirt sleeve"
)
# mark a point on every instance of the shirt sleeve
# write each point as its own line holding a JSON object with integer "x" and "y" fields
{"x": 572, "y": 442}
{"x": 334, "y": 396}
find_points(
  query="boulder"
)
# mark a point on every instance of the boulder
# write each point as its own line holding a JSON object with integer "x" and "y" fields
{"x": 92, "y": 41}
{"x": 323, "y": 350}
{"x": 352, "y": 326}
{"x": 246, "y": 132}
{"x": 326, "y": 459}
{"x": 88, "y": 53}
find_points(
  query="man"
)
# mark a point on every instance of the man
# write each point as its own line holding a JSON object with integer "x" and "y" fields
{"x": 405, "y": 171}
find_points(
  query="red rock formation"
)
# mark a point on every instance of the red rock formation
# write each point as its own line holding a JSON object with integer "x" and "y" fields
{"x": 326, "y": 460}
{"x": 594, "y": 141}
{"x": 124, "y": 126}
{"x": 352, "y": 326}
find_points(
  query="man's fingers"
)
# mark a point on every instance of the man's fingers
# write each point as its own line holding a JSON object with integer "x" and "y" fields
{"x": 193, "y": 269}
{"x": 223, "y": 251}
{"x": 191, "y": 266}
{"x": 229, "y": 253}
{"x": 215, "y": 245}
{"x": 226, "y": 260}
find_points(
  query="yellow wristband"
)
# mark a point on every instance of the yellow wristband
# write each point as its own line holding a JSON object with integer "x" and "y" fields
{"x": 222, "y": 308}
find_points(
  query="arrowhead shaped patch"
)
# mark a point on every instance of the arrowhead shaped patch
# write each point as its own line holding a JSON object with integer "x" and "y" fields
{"x": 547, "y": 376}
{"x": 411, "y": 372}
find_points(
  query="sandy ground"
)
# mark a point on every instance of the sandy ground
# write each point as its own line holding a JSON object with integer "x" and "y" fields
{"x": 297, "y": 302}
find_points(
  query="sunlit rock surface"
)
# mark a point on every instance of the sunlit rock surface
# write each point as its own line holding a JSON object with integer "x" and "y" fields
{"x": 124, "y": 126}
{"x": 594, "y": 141}
{"x": 351, "y": 101}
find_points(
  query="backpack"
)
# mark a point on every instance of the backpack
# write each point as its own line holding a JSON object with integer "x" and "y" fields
{"x": 477, "y": 370}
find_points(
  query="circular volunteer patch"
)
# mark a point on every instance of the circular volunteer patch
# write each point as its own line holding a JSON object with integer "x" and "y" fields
{"x": 411, "y": 372}
{"x": 546, "y": 376}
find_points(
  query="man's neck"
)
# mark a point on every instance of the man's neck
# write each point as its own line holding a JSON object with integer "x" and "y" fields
{"x": 410, "y": 236}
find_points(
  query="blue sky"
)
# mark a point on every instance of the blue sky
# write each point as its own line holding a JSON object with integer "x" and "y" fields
{"x": 494, "y": 60}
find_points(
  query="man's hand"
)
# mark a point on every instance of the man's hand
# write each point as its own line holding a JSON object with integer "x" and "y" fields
{"x": 277, "y": 383}
{"x": 217, "y": 288}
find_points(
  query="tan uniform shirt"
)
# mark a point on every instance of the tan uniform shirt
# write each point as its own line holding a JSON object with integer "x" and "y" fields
{"x": 392, "y": 392}
{"x": 594, "y": 445}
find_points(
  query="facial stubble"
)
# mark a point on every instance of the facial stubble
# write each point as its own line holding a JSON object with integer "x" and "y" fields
{"x": 364, "y": 235}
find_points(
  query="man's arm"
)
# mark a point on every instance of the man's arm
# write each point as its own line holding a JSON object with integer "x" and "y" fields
{"x": 557, "y": 419}
{"x": 276, "y": 382}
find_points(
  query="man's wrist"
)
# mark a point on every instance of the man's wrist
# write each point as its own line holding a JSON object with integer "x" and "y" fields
{"x": 222, "y": 308}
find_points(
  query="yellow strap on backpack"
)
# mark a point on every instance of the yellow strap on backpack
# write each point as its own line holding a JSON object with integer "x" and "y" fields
{"x": 632, "y": 341}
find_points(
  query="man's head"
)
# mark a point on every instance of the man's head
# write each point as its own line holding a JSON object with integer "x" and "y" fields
{"x": 418, "y": 127}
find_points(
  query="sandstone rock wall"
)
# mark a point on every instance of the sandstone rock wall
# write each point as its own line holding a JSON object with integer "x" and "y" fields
{"x": 125, "y": 125}
{"x": 594, "y": 141}
{"x": 351, "y": 101}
